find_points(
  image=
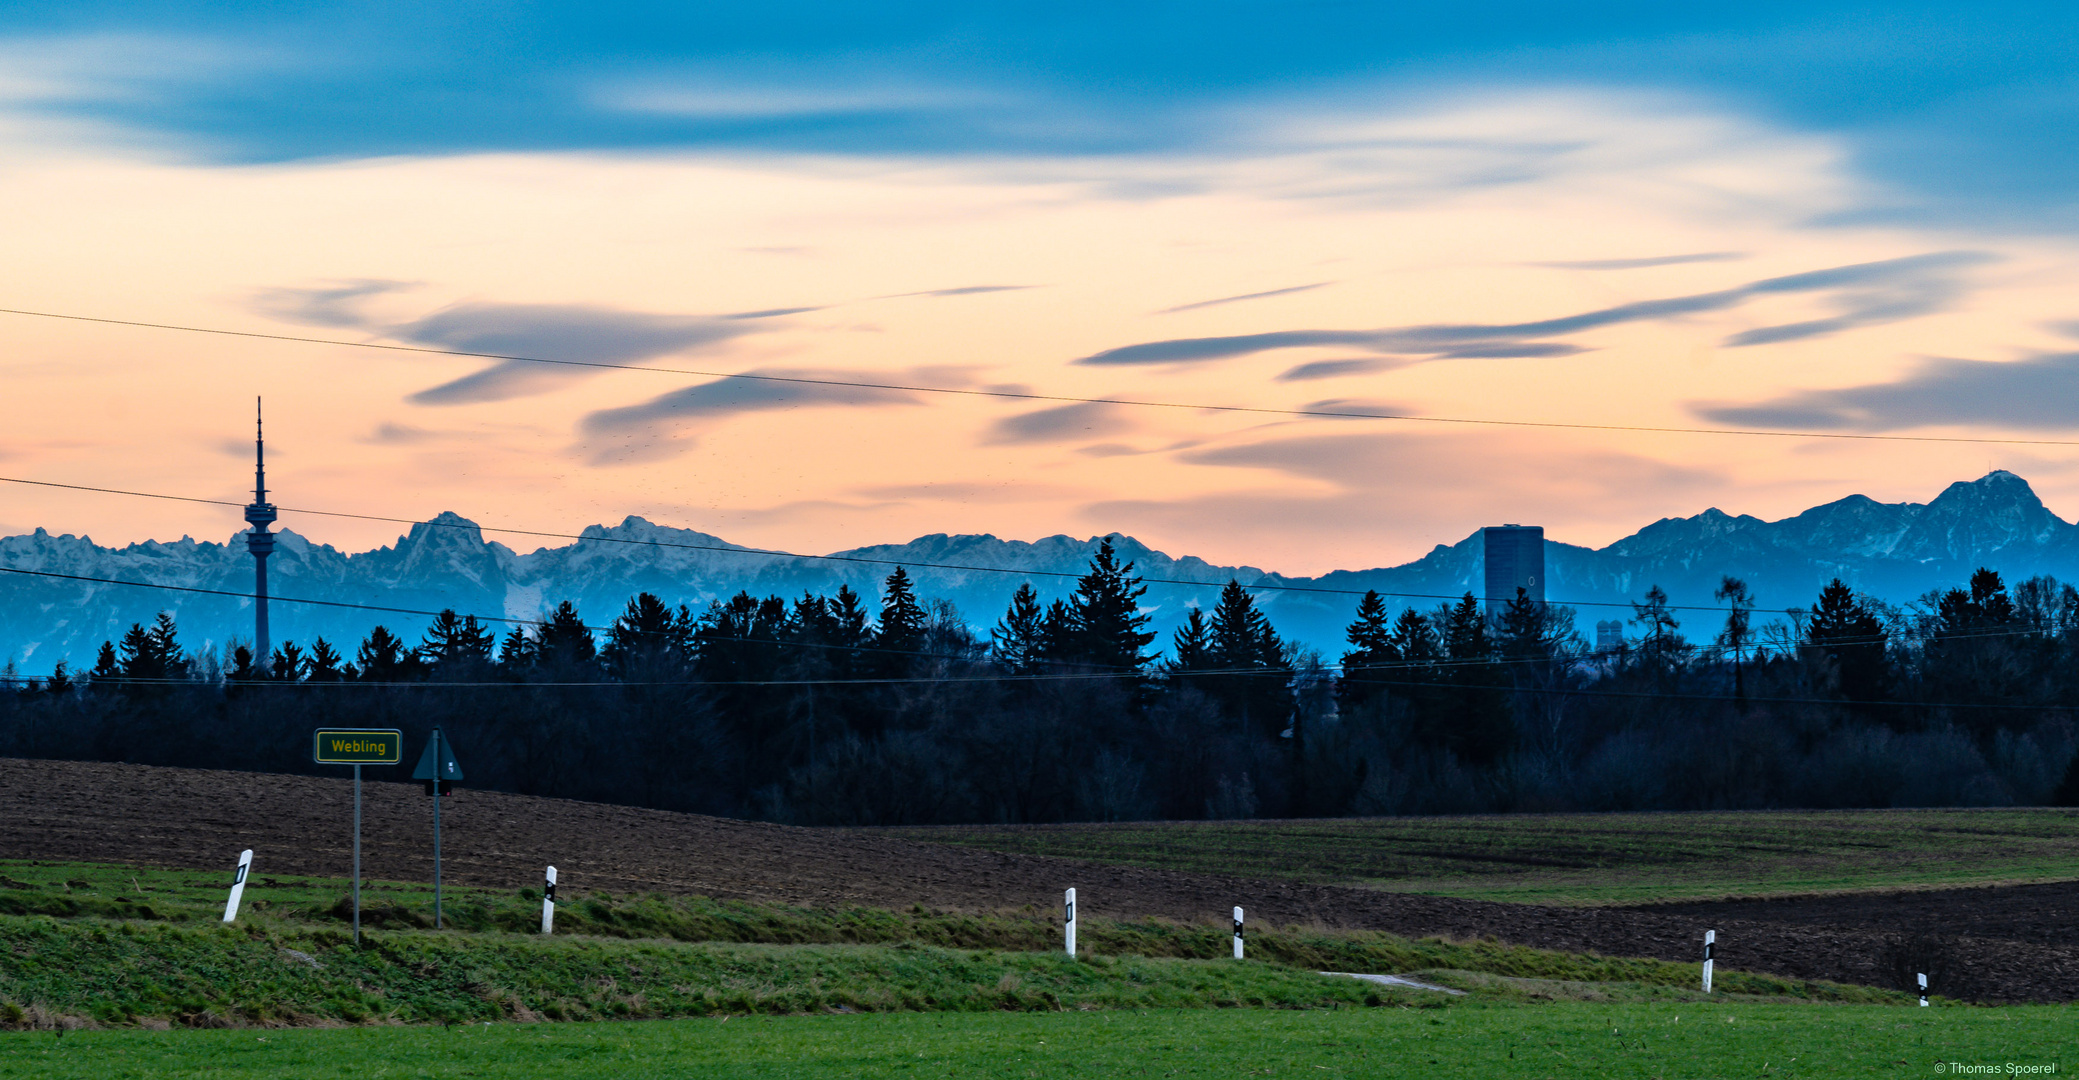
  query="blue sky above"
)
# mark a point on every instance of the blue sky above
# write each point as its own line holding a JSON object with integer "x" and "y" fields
{"x": 1967, "y": 111}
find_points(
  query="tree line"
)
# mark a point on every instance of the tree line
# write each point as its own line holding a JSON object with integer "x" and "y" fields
{"x": 837, "y": 709}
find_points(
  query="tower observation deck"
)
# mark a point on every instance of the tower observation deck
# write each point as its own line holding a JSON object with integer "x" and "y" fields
{"x": 260, "y": 514}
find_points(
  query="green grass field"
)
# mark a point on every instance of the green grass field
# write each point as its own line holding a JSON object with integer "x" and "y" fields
{"x": 1557, "y": 1040}
{"x": 1586, "y": 859}
{"x": 155, "y": 954}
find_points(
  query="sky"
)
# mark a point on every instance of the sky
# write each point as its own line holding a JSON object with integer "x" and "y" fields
{"x": 1820, "y": 218}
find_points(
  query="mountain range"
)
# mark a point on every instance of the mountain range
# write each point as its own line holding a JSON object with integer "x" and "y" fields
{"x": 1895, "y": 551}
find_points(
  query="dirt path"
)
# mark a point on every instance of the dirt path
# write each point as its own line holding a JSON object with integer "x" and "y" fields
{"x": 300, "y": 825}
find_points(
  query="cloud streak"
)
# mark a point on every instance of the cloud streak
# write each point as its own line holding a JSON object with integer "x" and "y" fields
{"x": 582, "y": 333}
{"x": 1244, "y": 296}
{"x": 669, "y": 424}
{"x": 1866, "y": 294}
{"x": 2039, "y": 394}
{"x": 1642, "y": 264}
{"x": 1065, "y": 423}
{"x": 1333, "y": 369}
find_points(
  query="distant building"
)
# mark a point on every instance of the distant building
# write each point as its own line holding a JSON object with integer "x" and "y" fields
{"x": 1515, "y": 560}
{"x": 1609, "y": 635}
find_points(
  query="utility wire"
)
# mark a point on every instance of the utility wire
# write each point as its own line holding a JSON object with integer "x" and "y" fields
{"x": 1131, "y": 402}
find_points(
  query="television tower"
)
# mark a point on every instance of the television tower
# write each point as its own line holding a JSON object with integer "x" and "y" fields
{"x": 259, "y": 514}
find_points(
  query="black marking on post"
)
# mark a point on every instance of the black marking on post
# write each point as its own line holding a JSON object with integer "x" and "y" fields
{"x": 548, "y": 892}
{"x": 1708, "y": 947}
{"x": 240, "y": 878}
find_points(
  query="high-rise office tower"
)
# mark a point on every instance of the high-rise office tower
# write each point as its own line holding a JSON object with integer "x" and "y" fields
{"x": 1515, "y": 560}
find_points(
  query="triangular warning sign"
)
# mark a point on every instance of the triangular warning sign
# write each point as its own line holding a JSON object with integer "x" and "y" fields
{"x": 438, "y": 762}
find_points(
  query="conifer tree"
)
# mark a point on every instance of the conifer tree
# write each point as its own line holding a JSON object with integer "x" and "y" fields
{"x": 1105, "y": 627}
{"x": 454, "y": 641}
{"x": 60, "y": 681}
{"x": 324, "y": 663}
{"x": 106, "y": 667}
{"x": 516, "y": 651}
{"x": 1366, "y": 666}
{"x": 287, "y": 664}
{"x": 903, "y": 620}
{"x": 1018, "y": 642}
{"x": 242, "y": 669}
{"x": 565, "y": 641}
{"x": 648, "y": 633}
{"x": 381, "y": 657}
{"x": 1191, "y": 646}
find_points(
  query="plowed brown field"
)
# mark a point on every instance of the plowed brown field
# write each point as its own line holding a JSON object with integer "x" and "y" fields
{"x": 2004, "y": 944}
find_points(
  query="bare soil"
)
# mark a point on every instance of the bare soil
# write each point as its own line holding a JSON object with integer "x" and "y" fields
{"x": 1996, "y": 944}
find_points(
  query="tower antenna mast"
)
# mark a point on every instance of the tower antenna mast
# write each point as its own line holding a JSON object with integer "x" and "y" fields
{"x": 260, "y": 514}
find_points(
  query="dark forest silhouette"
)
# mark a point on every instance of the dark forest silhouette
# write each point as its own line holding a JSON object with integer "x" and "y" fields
{"x": 843, "y": 711}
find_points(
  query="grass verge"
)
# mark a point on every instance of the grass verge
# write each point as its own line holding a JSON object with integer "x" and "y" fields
{"x": 1566, "y": 1040}
{"x": 119, "y": 945}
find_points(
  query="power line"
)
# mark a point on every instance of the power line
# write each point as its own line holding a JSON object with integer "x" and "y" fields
{"x": 1063, "y": 398}
{"x": 860, "y": 559}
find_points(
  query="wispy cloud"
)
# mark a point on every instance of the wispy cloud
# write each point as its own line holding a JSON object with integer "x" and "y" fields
{"x": 960, "y": 290}
{"x": 574, "y": 333}
{"x": 669, "y": 424}
{"x": 1244, "y": 296}
{"x": 1064, "y": 423}
{"x": 1332, "y": 369}
{"x": 2040, "y": 393}
{"x": 1866, "y": 294}
{"x": 1641, "y": 264}
{"x": 552, "y": 332}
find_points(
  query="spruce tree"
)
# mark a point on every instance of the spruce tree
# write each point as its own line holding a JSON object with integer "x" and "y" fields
{"x": 903, "y": 620}
{"x": 1018, "y": 642}
{"x": 324, "y": 663}
{"x": 106, "y": 667}
{"x": 288, "y": 663}
{"x": 1191, "y": 645}
{"x": 565, "y": 641}
{"x": 1367, "y": 665}
{"x": 1844, "y": 630}
{"x": 648, "y": 633}
{"x": 456, "y": 641}
{"x": 381, "y": 657}
{"x": 1105, "y": 626}
{"x": 516, "y": 651}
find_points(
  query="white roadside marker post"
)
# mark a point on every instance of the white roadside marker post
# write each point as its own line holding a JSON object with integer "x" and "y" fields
{"x": 1237, "y": 933}
{"x": 548, "y": 904}
{"x": 245, "y": 866}
{"x": 1710, "y": 947}
{"x": 1068, "y": 920}
{"x": 1923, "y": 989}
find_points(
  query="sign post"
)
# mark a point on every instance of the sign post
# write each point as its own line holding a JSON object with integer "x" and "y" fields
{"x": 1237, "y": 933}
{"x": 437, "y": 767}
{"x": 358, "y": 747}
{"x": 548, "y": 904}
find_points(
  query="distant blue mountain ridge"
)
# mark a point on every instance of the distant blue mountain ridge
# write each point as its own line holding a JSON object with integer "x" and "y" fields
{"x": 1896, "y": 551}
